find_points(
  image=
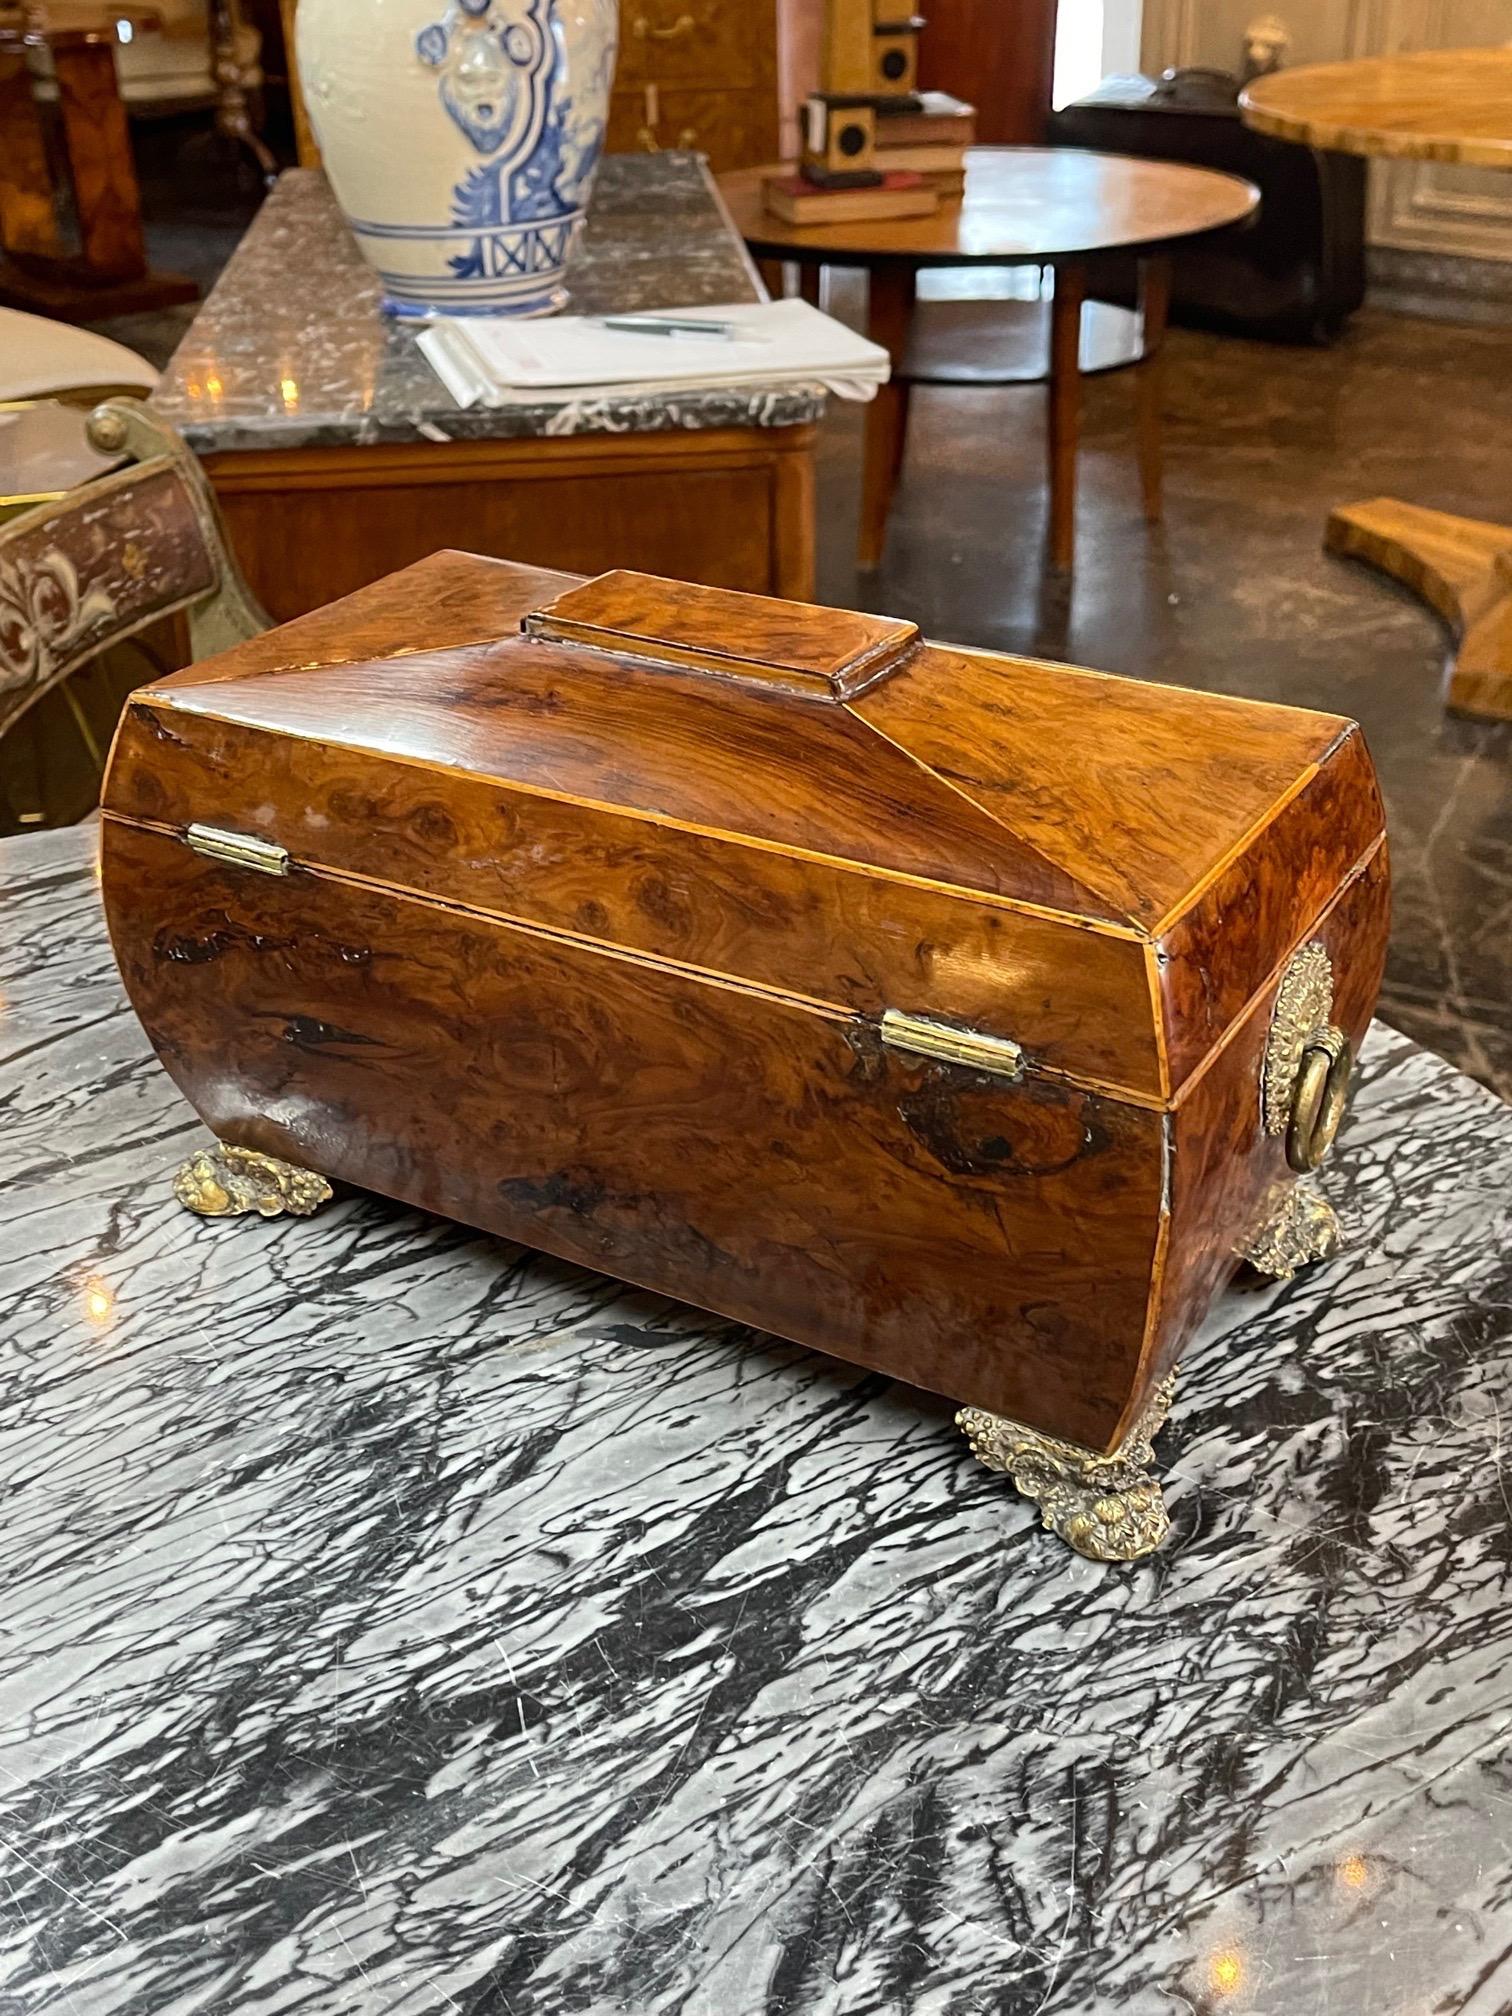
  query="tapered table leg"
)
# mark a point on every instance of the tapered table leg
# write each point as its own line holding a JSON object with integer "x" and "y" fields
{"x": 28, "y": 222}
{"x": 1154, "y": 309}
{"x": 889, "y": 315}
{"x": 1065, "y": 411}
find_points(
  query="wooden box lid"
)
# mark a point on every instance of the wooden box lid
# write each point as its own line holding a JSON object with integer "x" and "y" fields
{"x": 1105, "y": 871}
{"x": 751, "y": 637}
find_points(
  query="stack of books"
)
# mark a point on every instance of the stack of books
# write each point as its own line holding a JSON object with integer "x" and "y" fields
{"x": 928, "y": 139}
{"x": 899, "y": 194}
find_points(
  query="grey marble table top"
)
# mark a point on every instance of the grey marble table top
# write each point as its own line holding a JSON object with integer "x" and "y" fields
{"x": 394, "y": 1620}
{"x": 291, "y": 350}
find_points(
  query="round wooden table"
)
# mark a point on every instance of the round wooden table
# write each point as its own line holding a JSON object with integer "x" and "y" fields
{"x": 1056, "y": 207}
{"x": 1432, "y": 105}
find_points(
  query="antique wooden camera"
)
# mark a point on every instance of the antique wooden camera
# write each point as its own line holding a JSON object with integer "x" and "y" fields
{"x": 839, "y": 141}
{"x": 963, "y": 1016}
{"x": 895, "y": 58}
{"x": 870, "y": 57}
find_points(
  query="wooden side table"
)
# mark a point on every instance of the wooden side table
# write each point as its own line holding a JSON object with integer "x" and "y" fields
{"x": 1056, "y": 207}
{"x": 1432, "y": 105}
{"x": 109, "y": 274}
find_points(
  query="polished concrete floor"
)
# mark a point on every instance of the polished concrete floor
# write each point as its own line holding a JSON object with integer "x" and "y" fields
{"x": 1233, "y": 593}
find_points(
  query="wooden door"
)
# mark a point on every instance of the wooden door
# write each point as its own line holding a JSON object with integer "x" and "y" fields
{"x": 999, "y": 54}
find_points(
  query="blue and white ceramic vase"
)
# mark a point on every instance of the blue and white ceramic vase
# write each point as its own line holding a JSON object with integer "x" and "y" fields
{"x": 461, "y": 138}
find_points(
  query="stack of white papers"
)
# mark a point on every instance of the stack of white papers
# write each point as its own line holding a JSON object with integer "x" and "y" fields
{"x": 496, "y": 362}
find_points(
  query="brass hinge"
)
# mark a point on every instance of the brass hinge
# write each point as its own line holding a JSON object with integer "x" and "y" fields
{"x": 241, "y": 849}
{"x": 951, "y": 1044}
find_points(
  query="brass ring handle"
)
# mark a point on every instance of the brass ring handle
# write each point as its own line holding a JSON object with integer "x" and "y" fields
{"x": 1319, "y": 1099}
{"x": 643, "y": 31}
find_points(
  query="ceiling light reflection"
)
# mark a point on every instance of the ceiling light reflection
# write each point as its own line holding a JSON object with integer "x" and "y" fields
{"x": 99, "y": 1302}
{"x": 1226, "y": 1970}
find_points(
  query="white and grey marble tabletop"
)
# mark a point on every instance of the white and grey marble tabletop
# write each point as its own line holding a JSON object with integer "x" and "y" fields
{"x": 291, "y": 349}
{"x": 394, "y": 1620}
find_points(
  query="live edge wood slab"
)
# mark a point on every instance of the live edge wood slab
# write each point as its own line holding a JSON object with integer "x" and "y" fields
{"x": 959, "y": 1015}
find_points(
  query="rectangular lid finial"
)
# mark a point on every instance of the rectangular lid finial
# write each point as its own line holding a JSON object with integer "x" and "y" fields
{"x": 829, "y": 655}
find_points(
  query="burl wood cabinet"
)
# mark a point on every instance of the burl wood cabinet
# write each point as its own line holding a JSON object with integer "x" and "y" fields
{"x": 698, "y": 75}
{"x": 962, "y": 1016}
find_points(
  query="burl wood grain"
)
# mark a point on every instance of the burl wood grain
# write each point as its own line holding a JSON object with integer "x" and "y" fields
{"x": 1421, "y": 105}
{"x": 856, "y": 941}
{"x": 755, "y": 1156}
{"x": 740, "y": 636}
{"x": 465, "y": 598}
{"x": 1242, "y": 923}
{"x": 1140, "y": 791}
{"x": 593, "y": 951}
{"x": 676, "y": 746}
{"x": 1226, "y": 1171}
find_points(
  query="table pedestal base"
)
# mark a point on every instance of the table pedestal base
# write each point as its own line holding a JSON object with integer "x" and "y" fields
{"x": 109, "y": 275}
{"x": 67, "y": 290}
{"x": 1462, "y": 568}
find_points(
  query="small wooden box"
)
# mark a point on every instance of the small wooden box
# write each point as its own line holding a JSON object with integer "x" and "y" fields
{"x": 946, "y": 1011}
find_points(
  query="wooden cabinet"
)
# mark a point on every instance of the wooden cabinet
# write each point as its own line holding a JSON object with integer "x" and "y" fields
{"x": 697, "y": 74}
{"x": 730, "y": 506}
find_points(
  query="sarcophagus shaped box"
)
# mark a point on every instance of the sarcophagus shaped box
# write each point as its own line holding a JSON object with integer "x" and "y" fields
{"x": 963, "y": 1016}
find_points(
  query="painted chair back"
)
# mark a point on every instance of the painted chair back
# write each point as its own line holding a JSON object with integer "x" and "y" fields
{"x": 124, "y": 550}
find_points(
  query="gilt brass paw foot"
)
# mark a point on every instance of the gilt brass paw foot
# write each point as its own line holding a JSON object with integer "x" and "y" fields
{"x": 224, "y": 1182}
{"x": 1300, "y": 1226}
{"x": 1108, "y": 1508}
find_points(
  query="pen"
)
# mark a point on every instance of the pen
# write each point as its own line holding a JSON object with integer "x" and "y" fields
{"x": 668, "y": 325}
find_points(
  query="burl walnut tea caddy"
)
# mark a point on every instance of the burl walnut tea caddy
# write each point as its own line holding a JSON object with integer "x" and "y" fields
{"x": 966, "y": 1017}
